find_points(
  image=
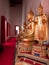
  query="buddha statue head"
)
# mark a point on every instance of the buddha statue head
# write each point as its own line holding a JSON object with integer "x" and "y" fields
{"x": 30, "y": 15}
{"x": 40, "y": 9}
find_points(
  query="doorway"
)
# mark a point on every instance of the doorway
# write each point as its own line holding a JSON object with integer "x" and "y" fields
{"x": 17, "y": 29}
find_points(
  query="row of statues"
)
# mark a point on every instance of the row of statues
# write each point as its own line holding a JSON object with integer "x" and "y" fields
{"x": 36, "y": 26}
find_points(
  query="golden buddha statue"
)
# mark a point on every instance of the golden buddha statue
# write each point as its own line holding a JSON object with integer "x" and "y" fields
{"x": 41, "y": 25}
{"x": 28, "y": 31}
{"x": 30, "y": 26}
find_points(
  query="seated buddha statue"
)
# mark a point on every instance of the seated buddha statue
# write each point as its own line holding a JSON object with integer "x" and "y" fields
{"x": 28, "y": 32}
{"x": 30, "y": 26}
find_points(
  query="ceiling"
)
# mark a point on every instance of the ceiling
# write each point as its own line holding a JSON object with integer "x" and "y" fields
{"x": 15, "y": 2}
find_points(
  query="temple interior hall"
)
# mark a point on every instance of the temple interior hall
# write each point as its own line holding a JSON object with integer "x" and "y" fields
{"x": 24, "y": 32}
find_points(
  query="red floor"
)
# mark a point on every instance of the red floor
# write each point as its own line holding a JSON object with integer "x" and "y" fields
{"x": 7, "y": 55}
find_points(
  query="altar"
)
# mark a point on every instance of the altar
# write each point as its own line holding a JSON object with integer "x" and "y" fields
{"x": 33, "y": 39}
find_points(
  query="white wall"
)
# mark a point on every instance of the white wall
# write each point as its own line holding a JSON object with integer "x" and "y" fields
{"x": 15, "y": 17}
{"x": 45, "y": 5}
{"x": 5, "y": 8}
{"x": 4, "y": 11}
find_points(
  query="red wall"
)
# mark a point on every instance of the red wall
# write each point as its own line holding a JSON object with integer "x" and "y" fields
{"x": 2, "y": 29}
